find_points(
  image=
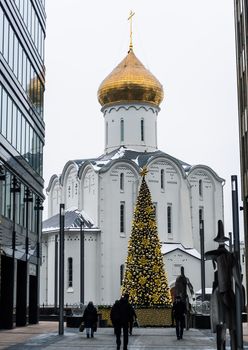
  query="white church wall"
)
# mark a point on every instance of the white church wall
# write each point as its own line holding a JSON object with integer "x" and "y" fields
{"x": 210, "y": 202}
{"x": 131, "y": 116}
{"x": 192, "y": 267}
{"x": 89, "y": 193}
{"x": 113, "y": 241}
{"x": 70, "y": 187}
{"x": 44, "y": 274}
{"x": 54, "y": 198}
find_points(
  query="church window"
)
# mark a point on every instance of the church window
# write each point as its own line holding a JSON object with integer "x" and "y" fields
{"x": 76, "y": 189}
{"x": 200, "y": 188}
{"x": 155, "y": 204}
{"x": 70, "y": 272}
{"x": 142, "y": 129}
{"x": 201, "y": 216}
{"x": 122, "y": 217}
{"x": 69, "y": 191}
{"x": 169, "y": 218}
{"x": 122, "y": 182}
{"x": 162, "y": 179}
{"x": 122, "y": 130}
{"x": 121, "y": 274}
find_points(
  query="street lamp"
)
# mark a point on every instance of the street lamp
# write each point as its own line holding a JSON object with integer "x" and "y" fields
{"x": 81, "y": 262}
{"x": 202, "y": 259}
{"x": 61, "y": 267}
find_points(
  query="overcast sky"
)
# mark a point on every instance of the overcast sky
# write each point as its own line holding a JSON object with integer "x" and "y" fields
{"x": 188, "y": 45}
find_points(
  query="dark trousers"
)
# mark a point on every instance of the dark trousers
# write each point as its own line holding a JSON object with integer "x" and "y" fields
{"x": 118, "y": 336}
{"x": 130, "y": 327}
{"x": 179, "y": 327}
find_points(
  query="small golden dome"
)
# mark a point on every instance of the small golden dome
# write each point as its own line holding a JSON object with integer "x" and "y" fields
{"x": 130, "y": 81}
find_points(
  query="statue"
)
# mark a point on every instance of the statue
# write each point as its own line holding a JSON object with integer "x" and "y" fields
{"x": 182, "y": 286}
{"x": 222, "y": 303}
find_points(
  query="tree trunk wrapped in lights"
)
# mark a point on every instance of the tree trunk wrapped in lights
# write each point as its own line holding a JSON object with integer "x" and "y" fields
{"x": 145, "y": 279}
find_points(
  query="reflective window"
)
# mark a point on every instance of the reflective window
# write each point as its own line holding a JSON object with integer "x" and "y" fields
{"x": 4, "y": 114}
{"x": 1, "y": 30}
{"x": 5, "y": 39}
{"x": 122, "y": 181}
{"x": 169, "y": 218}
{"x": 162, "y": 179}
{"x": 200, "y": 188}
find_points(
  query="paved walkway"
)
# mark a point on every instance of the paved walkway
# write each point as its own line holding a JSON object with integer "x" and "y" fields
{"x": 45, "y": 336}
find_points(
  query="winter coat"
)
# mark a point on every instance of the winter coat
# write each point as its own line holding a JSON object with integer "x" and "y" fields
{"x": 90, "y": 316}
{"x": 121, "y": 313}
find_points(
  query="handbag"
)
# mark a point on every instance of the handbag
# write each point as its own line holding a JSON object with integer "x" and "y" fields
{"x": 81, "y": 327}
{"x": 94, "y": 327}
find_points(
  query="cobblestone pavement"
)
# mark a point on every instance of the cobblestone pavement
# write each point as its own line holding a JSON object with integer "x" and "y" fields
{"x": 45, "y": 336}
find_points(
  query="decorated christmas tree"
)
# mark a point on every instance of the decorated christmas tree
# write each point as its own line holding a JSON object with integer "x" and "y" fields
{"x": 145, "y": 279}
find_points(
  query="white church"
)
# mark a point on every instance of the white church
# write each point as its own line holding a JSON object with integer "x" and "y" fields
{"x": 100, "y": 194}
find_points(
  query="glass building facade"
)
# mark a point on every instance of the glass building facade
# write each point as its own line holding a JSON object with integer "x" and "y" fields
{"x": 22, "y": 132}
{"x": 241, "y": 31}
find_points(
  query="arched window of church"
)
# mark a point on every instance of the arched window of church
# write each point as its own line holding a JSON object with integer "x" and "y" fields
{"x": 121, "y": 274}
{"x": 169, "y": 219}
{"x": 76, "y": 189}
{"x": 162, "y": 179}
{"x": 122, "y": 182}
{"x": 201, "y": 217}
{"x": 200, "y": 188}
{"x": 70, "y": 272}
{"x": 122, "y": 130}
{"x": 69, "y": 191}
{"x": 142, "y": 125}
{"x": 122, "y": 217}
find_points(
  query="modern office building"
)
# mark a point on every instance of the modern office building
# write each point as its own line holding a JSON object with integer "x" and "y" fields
{"x": 22, "y": 130}
{"x": 241, "y": 29}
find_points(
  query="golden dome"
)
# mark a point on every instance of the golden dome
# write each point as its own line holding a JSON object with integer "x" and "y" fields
{"x": 130, "y": 81}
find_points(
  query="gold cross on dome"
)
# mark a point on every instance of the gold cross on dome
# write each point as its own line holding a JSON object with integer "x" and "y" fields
{"x": 144, "y": 171}
{"x": 130, "y": 18}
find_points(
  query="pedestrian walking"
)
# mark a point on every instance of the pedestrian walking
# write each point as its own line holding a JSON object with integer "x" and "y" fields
{"x": 90, "y": 319}
{"x": 179, "y": 310}
{"x": 120, "y": 316}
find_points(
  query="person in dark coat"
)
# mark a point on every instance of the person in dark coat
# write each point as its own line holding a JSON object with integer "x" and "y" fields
{"x": 179, "y": 310}
{"x": 120, "y": 315}
{"x": 90, "y": 319}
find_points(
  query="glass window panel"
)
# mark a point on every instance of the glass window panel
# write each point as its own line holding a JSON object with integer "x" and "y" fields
{"x": 0, "y": 107}
{"x": 21, "y": 204}
{"x": 37, "y": 33}
{"x": 6, "y": 39}
{"x": 27, "y": 142}
{"x": 28, "y": 75}
{"x": 3, "y": 196}
{"x": 4, "y": 114}
{"x": 21, "y": 7}
{"x": 20, "y": 63}
{"x": 19, "y": 131}
{"x": 25, "y": 10}
{"x": 1, "y": 30}
{"x": 8, "y": 197}
{"x": 31, "y": 140}
{"x": 33, "y": 23}
{"x": 41, "y": 159}
{"x": 23, "y": 150}
{"x": 24, "y": 71}
{"x": 15, "y": 56}
{"x": 14, "y": 125}
{"x": 9, "y": 120}
{"x": 11, "y": 47}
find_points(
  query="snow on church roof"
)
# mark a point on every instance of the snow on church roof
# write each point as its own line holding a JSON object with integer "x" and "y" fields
{"x": 139, "y": 158}
{"x": 170, "y": 247}
{"x": 73, "y": 219}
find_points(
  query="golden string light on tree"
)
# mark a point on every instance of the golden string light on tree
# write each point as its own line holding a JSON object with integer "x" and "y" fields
{"x": 145, "y": 279}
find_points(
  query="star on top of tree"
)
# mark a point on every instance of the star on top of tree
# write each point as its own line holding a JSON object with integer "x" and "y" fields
{"x": 144, "y": 171}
